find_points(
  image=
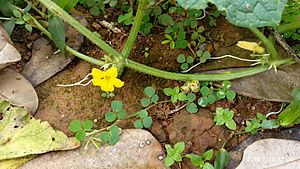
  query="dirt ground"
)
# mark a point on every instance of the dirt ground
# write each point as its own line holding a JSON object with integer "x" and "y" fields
{"x": 60, "y": 105}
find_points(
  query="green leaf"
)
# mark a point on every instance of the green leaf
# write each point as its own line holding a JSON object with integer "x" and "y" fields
{"x": 154, "y": 98}
{"x": 116, "y": 105}
{"x": 194, "y": 35}
{"x": 121, "y": 114}
{"x": 226, "y": 84}
{"x": 80, "y": 135}
{"x": 192, "y": 108}
{"x": 165, "y": 20}
{"x": 196, "y": 159}
{"x": 184, "y": 66}
{"x": 17, "y": 13}
{"x": 179, "y": 147}
{"x": 203, "y": 101}
{"x": 75, "y": 126}
{"x": 242, "y": 13}
{"x": 261, "y": 116}
{"x": 104, "y": 136}
{"x": 149, "y": 91}
{"x": 189, "y": 60}
{"x": 157, "y": 11}
{"x": 270, "y": 124}
{"x": 208, "y": 155}
{"x": 205, "y": 91}
{"x": 221, "y": 94}
{"x": 143, "y": 114}
{"x": 28, "y": 27}
{"x": 114, "y": 139}
{"x": 110, "y": 117}
{"x": 230, "y": 95}
{"x": 177, "y": 157}
{"x": 147, "y": 122}
{"x": 138, "y": 124}
{"x": 70, "y": 5}
{"x": 145, "y": 102}
{"x": 57, "y": 31}
{"x": 181, "y": 58}
{"x": 191, "y": 97}
{"x": 182, "y": 96}
{"x": 230, "y": 124}
{"x": 207, "y": 165}
{"x": 87, "y": 125}
{"x": 165, "y": 42}
{"x": 292, "y": 112}
{"x": 211, "y": 98}
{"x": 95, "y": 11}
{"x": 9, "y": 26}
{"x": 114, "y": 130}
{"x": 169, "y": 161}
{"x": 221, "y": 159}
{"x": 168, "y": 91}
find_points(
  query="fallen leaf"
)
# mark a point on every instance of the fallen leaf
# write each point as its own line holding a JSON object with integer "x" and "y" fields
{"x": 22, "y": 135}
{"x": 18, "y": 90}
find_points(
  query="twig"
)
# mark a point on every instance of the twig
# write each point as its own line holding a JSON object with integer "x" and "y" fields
{"x": 276, "y": 112}
{"x": 177, "y": 109}
{"x": 279, "y": 39}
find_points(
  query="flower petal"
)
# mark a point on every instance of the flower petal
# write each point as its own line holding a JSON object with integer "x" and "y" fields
{"x": 112, "y": 72}
{"x": 97, "y": 74}
{"x": 107, "y": 87}
{"x": 117, "y": 82}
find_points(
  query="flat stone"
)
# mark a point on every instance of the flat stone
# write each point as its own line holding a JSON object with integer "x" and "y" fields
{"x": 236, "y": 154}
{"x": 272, "y": 153}
{"x": 137, "y": 149}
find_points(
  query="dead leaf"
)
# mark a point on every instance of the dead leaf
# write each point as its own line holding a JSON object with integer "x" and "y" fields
{"x": 22, "y": 135}
{"x": 8, "y": 54}
{"x": 18, "y": 90}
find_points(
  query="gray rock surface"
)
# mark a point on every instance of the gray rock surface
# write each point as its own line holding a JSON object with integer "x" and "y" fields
{"x": 137, "y": 149}
{"x": 236, "y": 154}
{"x": 272, "y": 154}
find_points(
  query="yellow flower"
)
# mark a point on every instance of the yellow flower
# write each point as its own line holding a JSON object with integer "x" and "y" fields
{"x": 252, "y": 46}
{"x": 106, "y": 80}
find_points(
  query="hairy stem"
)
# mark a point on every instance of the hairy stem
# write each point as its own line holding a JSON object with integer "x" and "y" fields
{"x": 268, "y": 44}
{"x": 135, "y": 28}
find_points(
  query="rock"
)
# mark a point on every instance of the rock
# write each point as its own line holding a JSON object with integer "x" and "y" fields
{"x": 131, "y": 152}
{"x": 8, "y": 54}
{"x": 198, "y": 130}
{"x": 44, "y": 62}
{"x": 236, "y": 154}
{"x": 272, "y": 153}
{"x": 18, "y": 90}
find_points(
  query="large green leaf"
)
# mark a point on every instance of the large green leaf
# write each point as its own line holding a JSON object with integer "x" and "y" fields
{"x": 244, "y": 13}
{"x": 291, "y": 114}
{"x": 57, "y": 30}
{"x": 22, "y": 135}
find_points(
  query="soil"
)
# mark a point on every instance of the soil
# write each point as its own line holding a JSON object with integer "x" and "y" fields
{"x": 60, "y": 105}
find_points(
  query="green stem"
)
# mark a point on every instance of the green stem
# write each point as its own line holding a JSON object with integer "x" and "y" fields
{"x": 288, "y": 27}
{"x": 201, "y": 77}
{"x": 135, "y": 28}
{"x": 82, "y": 29}
{"x": 268, "y": 44}
{"x": 6, "y": 19}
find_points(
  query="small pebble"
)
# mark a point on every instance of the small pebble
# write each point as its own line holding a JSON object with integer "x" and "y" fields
{"x": 142, "y": 144}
